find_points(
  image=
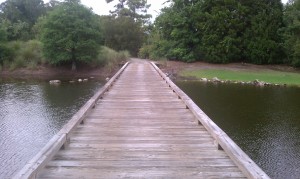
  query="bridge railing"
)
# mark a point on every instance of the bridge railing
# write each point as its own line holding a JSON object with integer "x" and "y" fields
{"x": 240, "y": 158}
{"x": 62, "y": 138}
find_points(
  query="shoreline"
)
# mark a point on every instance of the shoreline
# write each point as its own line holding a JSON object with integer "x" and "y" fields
{"x": 173, "y": 69}
{"x": 46, "y": 72}
{"x": 196, "y": 72}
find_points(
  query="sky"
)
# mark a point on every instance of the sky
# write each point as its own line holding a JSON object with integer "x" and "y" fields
{"x": 102, "y": 8}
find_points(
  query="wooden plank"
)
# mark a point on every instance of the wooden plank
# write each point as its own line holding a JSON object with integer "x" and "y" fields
{"x": 145, "y": 172}
{"x": 226, "y": 162}
{"x": 115, "y": 155}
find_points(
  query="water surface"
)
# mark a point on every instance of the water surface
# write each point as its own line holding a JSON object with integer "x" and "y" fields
{"x": 263, "y": 121}
{"x": 31, "y": 112}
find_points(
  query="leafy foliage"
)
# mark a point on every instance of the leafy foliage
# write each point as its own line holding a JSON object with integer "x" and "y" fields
{"x": 5, "y": 53}
{"x": 19, "y": 17}
{"x": 127, "y": 26}
{"x": 262, "y": 41}
{"x": 19, "y": 54}
{"x": 110, "y": 58}
{"x": 135, "y": 9}
{"x": 292, "y": 32}
{"x": 221, "y": 31}
{"x": 70, "y": 34}
{"x": 22, "y": 10}
{"x": 122, "y": 33}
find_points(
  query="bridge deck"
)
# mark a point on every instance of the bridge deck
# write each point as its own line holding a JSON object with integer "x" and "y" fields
{"x": 141, "y": 129}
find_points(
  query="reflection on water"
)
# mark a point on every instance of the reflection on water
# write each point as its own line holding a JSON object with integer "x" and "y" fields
{"x": 264, "y": 122}
{"x": 31, "y": 113}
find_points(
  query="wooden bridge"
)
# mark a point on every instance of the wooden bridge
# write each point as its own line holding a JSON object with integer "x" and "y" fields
{"x": 141, "y": 125}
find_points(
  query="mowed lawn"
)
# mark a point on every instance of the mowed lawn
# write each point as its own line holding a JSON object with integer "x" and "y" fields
{"x": 276, "y": 77}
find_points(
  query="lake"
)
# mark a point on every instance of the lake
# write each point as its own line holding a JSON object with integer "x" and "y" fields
{"x": 263, "y": 121}
{"x": 31, "y": 112}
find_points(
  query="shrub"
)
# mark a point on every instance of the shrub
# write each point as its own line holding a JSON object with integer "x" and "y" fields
{"x": 123, "y": 55}
{"x": 32, "y": 52}
{"x": 25, "y": 54}
{"x": 15, "y": 46}
{"x": 17, "y": 63}
{"x": 5, "y": 53}
{"x": 110, "y": 58}
{"x": 144, "y": 51}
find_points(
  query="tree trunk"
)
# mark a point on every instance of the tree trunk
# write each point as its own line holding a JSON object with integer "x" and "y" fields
{"x": 73, "y": 65}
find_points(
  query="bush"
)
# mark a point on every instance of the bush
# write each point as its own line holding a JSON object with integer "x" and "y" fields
{"x": 144, "y": 51}
{"x": 5, "y": 53}
{"x": 296, "y": 54}
{"x": 110, "y": 58}
{"x": 15, "y": 46}
{"x": 17, "y": 63}
{"x": 32, "y": 52}
{"x": 25, "y": 54}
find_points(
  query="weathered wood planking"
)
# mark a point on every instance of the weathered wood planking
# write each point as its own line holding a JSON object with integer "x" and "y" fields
{"x": 144, "y": 126}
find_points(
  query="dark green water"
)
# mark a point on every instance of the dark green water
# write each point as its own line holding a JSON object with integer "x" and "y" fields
{"x": 31, "y": 112}
{"x": 264, "y": 122}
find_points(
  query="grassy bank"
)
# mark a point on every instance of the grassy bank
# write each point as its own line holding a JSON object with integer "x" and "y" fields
{"x": 275, "y": 77}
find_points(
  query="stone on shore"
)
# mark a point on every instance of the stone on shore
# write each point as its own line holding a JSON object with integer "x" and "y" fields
{"x": 215, "y": 79}
{"x": 204, "y": 79}
{"x": 54, "y": 82}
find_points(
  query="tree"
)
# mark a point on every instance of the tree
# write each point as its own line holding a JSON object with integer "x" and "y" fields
{"x": 179, "y": 32}
{"x": 127, "y": 26}
{"x": 122, "y": 33}
{"x": 135, "y": 9}
{"x": 222, "y": 31}
{"x": 5, "y": 52}
{"x": 20, "y": 16}
{"x": 22, "y": 10}
{"x": 292, "y": 32}
{"x": 262, "y": 40}
{"x": 71, "y": 34}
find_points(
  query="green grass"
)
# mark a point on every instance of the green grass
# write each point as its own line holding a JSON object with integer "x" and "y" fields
{"x": 277, "y": 77}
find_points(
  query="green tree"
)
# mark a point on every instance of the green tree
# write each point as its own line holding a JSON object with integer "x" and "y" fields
{"x": 5, "y": 52}
{"x": 17, "y": 31}
{"x": 20, "y": 16}
{"x": 292, "y": 32}
{"x": 222, "y": 31}
{"x": 178, "y": 30}
{"x": 262, "y": 40}
{"x": 22, "y": 10}
{"x": 71, "y": 34}
{"x": 135, "y": 9}
{"x": 122, "y": 33}
{"x": 127, "y": 26}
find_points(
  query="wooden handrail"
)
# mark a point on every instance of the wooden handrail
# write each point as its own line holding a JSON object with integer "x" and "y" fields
{"x": 240, "y": 158}
{"x": 61, "y": 139}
